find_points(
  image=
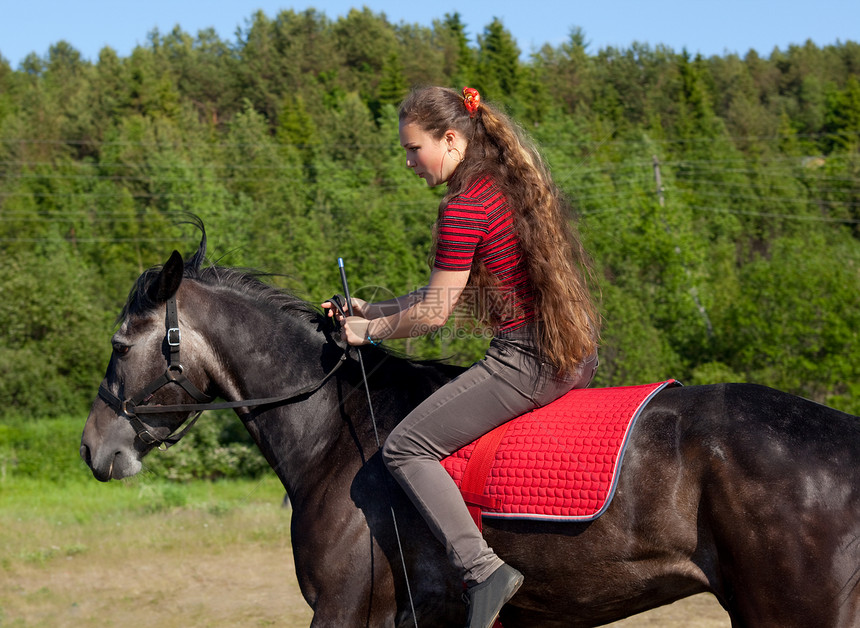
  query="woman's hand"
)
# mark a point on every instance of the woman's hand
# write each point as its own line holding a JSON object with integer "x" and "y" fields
{"x": 359, "y": 307}
{"x": 413, "y": 314}
{"x": 355, "y": 330}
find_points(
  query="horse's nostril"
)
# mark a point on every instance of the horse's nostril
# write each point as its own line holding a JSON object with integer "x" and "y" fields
{"x": 85, "y": 454}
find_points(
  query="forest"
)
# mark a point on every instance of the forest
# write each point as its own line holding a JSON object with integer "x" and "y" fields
{"x": 719, "y": 197}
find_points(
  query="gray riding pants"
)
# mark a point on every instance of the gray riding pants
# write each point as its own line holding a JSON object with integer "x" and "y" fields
{"x": 509, "y": 381}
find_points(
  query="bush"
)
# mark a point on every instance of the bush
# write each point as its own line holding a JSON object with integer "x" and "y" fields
{"x": 45, "y": 448}
{"x": 216, "y": 447}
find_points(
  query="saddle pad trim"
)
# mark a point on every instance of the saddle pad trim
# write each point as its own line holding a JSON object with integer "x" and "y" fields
{"x": 478, "y": 470}
{"x": 495, "y": 514}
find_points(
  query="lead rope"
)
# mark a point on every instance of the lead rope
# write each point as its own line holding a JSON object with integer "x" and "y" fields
{"x": 378, "y": 444}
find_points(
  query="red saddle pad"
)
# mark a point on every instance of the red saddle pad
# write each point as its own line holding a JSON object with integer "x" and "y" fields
{"x": 559, "y": 462}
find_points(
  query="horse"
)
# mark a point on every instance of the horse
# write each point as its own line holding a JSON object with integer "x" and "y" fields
{"x": 739, "y": 490}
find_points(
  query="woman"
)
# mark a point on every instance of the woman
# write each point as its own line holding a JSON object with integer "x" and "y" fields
{"x": 501, "y": 234}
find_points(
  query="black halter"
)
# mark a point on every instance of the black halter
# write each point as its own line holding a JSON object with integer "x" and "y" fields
{"x": 135, "y": 405}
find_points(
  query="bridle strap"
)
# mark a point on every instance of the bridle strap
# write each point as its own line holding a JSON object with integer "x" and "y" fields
{"x": 173, "y": 373}
{"x": 137, "y": 404}
{"x": 221, "y": 405}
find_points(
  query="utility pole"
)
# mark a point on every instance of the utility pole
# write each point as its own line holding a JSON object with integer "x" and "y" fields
{"x": 659, "y": 181}
{"x": 694, "y": 292}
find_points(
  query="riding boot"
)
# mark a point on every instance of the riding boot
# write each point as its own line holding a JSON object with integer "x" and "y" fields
{"x": 487, "y": 598}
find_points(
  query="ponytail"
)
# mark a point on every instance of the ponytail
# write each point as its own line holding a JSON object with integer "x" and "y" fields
{"x": 557, "y": 264}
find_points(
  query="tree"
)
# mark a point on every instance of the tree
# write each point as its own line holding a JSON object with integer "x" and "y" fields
{"x": 566, "y": 72}
{"x": 736, "y": 100}
{"x": 45, "y": 295}
{"x": 498, "y": 66}
{"x": 696, "y": 117}
{"x": 392, "y": 87}
{"x": 297, "y": 131}
{"x": 365, "y": 41}
{"x": 459, "y": 57}
{"x": 794, "y": 324}
{"x": 421, "y": 55}
{"x": 258, "y": 66}
{"x": 285, "y": 143}
{"x": 204, "y": 71}
{"x": 842, "y": 117}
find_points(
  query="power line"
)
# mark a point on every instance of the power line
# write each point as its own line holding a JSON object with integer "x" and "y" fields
{"x": 77, "y": 240}
{"x": 639, "y": 141}
{"x": 769, "y": 186}
{"x": 848, "y": 221}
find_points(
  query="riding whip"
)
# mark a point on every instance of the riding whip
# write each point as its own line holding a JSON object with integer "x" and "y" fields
{"x": 376, "y": 434}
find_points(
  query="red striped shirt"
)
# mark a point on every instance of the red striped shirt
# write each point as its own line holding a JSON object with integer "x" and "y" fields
{"x": 478, "y": 223}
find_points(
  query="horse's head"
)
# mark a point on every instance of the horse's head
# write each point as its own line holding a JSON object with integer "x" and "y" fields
{"x": 188, "y": 334}
{"x": 145, "y": 372}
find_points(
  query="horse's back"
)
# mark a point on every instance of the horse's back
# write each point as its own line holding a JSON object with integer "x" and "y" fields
{"x": 779, "y": 506}
{"x": 772, "y": 437}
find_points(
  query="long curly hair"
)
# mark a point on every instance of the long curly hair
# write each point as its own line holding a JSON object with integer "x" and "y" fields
{"x": 558, "y": 266}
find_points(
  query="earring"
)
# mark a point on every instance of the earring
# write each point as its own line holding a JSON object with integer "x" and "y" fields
{"x": 459, "y": 154}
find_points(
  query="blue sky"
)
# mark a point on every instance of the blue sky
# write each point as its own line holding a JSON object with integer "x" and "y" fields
{"x": 709, "y": 27}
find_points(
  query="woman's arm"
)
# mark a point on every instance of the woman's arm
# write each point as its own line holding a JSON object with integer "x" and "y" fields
{"x": 379, "y": 309}
{"x": 414, "y": 314}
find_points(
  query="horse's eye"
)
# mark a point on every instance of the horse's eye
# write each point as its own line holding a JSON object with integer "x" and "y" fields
{"x": 120, "y": 349}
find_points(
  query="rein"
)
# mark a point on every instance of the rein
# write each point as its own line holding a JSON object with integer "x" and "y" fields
{"x": 133, "y": 406}
{"x": 336, "y": 301}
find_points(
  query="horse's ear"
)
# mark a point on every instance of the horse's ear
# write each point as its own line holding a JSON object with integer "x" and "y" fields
{"x": 168, "y": 280}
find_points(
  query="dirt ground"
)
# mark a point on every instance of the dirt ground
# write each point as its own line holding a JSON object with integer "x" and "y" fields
{"x": 259, "y": 589}
{"x": 218, "y": 566}
{"x": 252, "y": 587}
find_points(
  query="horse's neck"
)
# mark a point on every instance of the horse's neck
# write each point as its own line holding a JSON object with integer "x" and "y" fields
{"x": 301, "y": 439}
{"x": 264, "y": 354}
{"x": 261, "y": 351}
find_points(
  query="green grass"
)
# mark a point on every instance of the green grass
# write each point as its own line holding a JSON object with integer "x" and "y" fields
{"x": 146, "y": 551}
{"x": 79, "y": 552}
{"x": 45, "y": 490}
{"x": 82, "y": 499}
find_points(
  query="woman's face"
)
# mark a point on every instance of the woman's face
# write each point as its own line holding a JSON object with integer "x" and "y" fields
{"x": 433, "y": 160}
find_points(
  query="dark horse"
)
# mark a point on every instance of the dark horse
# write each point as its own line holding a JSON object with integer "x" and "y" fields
{"x": 740, "y": 490}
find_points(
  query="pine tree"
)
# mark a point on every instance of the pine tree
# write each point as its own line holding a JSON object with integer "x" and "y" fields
{"x": 392, "y": 86}
{"x": 498, "y": 62}
{"x": 462, "y": 64}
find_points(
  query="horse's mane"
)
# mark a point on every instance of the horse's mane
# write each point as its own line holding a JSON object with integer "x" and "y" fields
{"x": 243, "y": 281}
{"x": 247, "y": 282}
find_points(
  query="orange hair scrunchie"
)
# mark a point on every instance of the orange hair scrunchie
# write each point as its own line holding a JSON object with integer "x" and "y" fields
{"x": 472, "y": 100}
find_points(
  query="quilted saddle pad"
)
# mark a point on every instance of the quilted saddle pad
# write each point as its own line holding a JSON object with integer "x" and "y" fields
{"x": 559, "y": 462}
